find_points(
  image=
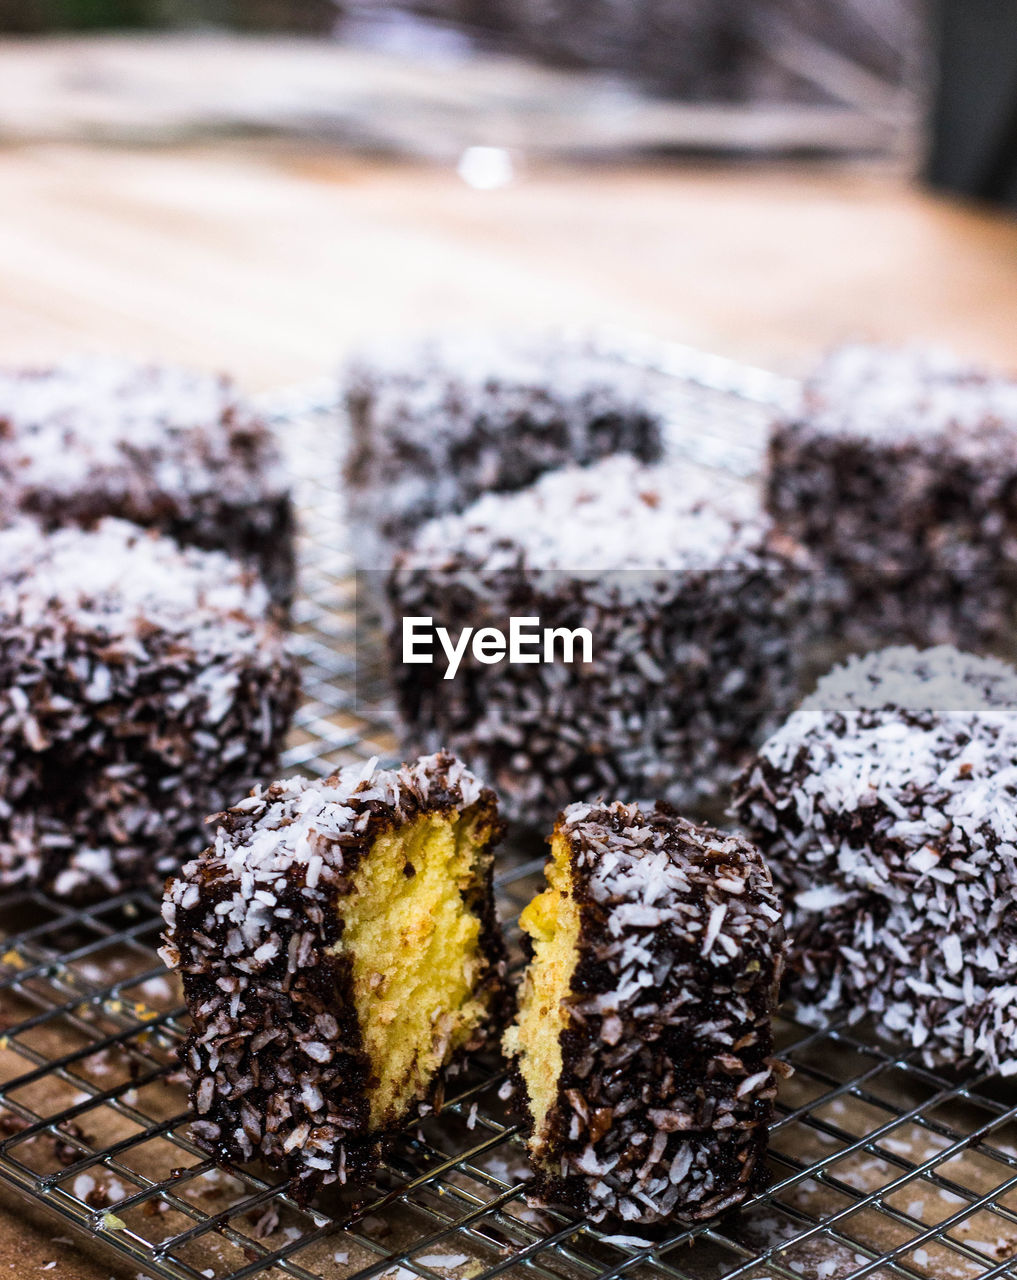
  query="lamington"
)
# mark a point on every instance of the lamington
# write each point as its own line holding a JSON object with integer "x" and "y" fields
{"x": 167, "y": 448}
{"x": 643, "y": 1041}
{"x": 340, "y": 958}
{"x": 437, "y": 423}
{"x": 898, "y": 471}
{"x": 696, "y": 613}
{"x": 142, "y": 686}
{"x": 886, "y": 807}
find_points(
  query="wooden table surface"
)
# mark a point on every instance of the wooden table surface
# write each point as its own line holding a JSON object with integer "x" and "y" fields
{"x": 270, "y": 259}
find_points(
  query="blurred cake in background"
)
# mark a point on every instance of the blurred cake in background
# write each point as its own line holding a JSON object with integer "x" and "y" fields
{"x": 438, "y": 423}
{"x": 898, "y": 471}
{"x": 167, "y": 448}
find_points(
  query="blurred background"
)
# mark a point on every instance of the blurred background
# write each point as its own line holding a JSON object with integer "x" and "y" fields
{"x": 264, "y": 183}
{"x": 831, "y": 76}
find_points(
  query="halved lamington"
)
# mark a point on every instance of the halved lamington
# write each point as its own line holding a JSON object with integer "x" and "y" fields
{"x": 643, "y": 1038}
{"x": 437, "y": 423}
{"x": 887, "y": 808}
{"x": 340, "y": 957}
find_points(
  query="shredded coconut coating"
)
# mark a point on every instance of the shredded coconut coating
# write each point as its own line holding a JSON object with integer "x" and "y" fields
{"x": 167, "y": 448}
{"x": 899, "y": 471}
{"x": 438, "y": 423}
{"x": 698, "y": 612}
{"x": 616, "y": 514}
{"x": 667, "y": 1082}
{"x": 907, "y": 393}
{"x": 275, "y": 1054}
{"x": 887, "y": 808}
{"x": 141, "y": 686}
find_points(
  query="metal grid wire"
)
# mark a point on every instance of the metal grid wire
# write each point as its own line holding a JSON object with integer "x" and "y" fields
{"x": 879, "y": 1167}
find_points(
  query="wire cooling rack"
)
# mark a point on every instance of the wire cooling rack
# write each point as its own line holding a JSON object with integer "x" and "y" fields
{"x": 879, "y": 1168}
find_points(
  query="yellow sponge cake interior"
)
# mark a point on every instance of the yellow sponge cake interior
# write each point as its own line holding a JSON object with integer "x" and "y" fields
{"x": 552, "y": 922}
{"x": 414, "y": 943}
